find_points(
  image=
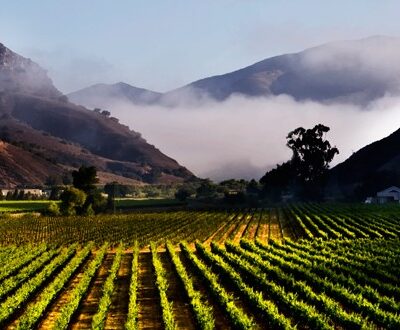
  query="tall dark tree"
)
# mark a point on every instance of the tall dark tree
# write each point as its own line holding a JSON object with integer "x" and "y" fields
{"x": 183, "y": 193}
{"x": 312, "y": 153}
{"x": 304, "y": 174}
{"x": 85, "y": 178}
{"x": 84, "y": 182}
{"x": 116, "y": 189}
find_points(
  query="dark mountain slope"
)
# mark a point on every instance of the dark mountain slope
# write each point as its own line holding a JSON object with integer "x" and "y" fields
{"x": 39, "y": 120}
{"x": 370, "y": 169}
{"x": 21, "y": 167}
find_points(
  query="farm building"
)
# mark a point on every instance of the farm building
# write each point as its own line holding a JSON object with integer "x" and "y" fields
{"x": 389, "y": 195}
{"x": 26, "y": 191}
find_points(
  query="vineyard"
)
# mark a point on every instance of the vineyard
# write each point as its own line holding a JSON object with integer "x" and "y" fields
{"x": 304, "y": 266}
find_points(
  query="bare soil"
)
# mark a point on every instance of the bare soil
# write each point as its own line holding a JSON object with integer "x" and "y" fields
{"x": 118, "y": 311}
{"x": 263, "y": 227}
{"x": 176, "y": 294}
{"x": 219, "y": 230}
{"x": 150, "y": 313}
{"x": 89, "y": 305}
{"x": 221, "y": 320}
{"x": 251, "y": 229}
{"x": 49, "y": 318}
{"x": 242, "y": 228}
{"x": 13, "y": 321}
{"x": 275, "y": 231}
{"x": 230, "y": 229}
{"x": 239, "y": 300}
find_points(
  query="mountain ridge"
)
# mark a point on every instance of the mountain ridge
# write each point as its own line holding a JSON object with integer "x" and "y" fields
{"x": 40, "y": 125}
{"x": 111, "y": 93}
{"x": 350, "y": 71}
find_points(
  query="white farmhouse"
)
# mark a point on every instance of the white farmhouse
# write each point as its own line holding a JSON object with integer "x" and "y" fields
{"x": 27, "y": 191}
{"x": 391, "y": 194}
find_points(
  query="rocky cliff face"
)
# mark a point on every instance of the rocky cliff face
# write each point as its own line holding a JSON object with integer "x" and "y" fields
{"x": 21, "y": 75}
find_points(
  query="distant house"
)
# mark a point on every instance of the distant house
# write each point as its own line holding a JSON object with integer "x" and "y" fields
{"x": 4, "y": 192}
{"x": 389, "y": 195}
{"x": 32, "y": 191}
{"x": 27, "y": 191}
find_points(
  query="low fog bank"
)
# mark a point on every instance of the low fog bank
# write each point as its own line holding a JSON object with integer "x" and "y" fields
{"x": 244, "y": 137}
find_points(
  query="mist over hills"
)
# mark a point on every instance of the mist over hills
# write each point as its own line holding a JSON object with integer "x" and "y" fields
{"x": 105, "y": 95}
{"x": 44, "y": 135}
{"x": 354, "y": 72}
{"x": 233, "y": 125}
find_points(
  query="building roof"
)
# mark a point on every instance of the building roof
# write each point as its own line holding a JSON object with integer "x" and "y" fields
{"x": 392, "y": 189}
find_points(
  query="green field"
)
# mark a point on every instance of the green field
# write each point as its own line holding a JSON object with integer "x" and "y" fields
{"x": 304, "y": 266}
{"x": 23, "y": 206}
{"x": 121, "y": 204}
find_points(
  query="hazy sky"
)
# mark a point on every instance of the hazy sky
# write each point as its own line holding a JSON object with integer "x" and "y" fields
{"x": 162, "y": 44}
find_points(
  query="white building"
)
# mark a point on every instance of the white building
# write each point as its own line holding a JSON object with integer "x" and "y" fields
{"x": 27, "y": 191}
{"x": 391, "y": 194}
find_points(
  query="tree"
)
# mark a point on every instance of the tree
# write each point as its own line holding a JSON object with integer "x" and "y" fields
{"x": 153, "y": 176}
{"x": 52, "y": 209}
{"x": 113, "y": 190}
{"x": 232, "y": 184}
{"x": 9, "y": 195}
{"x": 207, "y": 189}
{"x": 15, "y": 195}
{"x": 21, "y": 195}
{"x": 72, "y": 201}
{"x": 277, "y": 180}
{"x": 312, "y": 153}
{"x": 53, "y": 180}
{"x": 83, "y": 198}
{"x": 55, "y": 194}
{"x": 305, "y": 173}
{"x": 116, "y": 189}
{"x": 106, "y": 113}
{"x": 183, "y": 193}
{"x": 85, "y": 179}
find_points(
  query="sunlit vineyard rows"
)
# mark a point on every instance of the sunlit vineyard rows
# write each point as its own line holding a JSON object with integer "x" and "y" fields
{"x": 304, "y": 266}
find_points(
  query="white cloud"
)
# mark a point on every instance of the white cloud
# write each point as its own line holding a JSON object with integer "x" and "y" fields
{"x": 244, "y": 137}
{"x": 70, "y": 72}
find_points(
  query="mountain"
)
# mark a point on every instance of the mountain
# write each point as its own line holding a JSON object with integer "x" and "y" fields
{"x": 104, "y": 95}
{"x": 369, "y": 170}
{"x": 355, "y": 72}
{"x": 42, "y": 134}
{"x": 21, "y": 75}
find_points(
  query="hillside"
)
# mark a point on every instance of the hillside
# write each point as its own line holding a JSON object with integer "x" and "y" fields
{"x": 105, "y": 95}
{"x": 372, "y": 168}
{"x": 47, "y": 135}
